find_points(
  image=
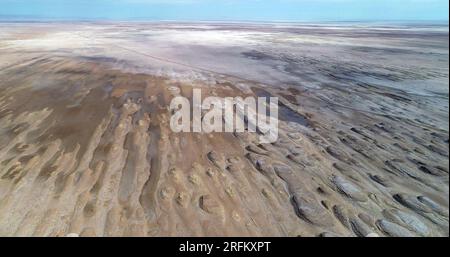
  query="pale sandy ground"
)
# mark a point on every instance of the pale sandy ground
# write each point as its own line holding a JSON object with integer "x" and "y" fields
{"x": 85, "y": 145}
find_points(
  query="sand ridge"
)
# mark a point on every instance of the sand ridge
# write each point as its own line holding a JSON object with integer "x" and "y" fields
{"x": 86, "y": 149}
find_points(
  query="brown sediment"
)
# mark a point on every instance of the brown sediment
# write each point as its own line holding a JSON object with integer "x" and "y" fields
{"x": 90, "y": 152}
{"x": 87, "y": 149}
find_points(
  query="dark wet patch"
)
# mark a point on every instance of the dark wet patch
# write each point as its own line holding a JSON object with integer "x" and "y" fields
{"x": 397, "y": 97}
{"x": 378, "y": 50}
{"x": 284, "y": 112}
{"x": 257, "y": 55}
{"x": 292, "y": 99}
{"x": 101, "y": 59}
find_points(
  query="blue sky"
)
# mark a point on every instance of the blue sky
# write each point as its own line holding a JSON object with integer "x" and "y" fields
{"x": 263, "y": 10}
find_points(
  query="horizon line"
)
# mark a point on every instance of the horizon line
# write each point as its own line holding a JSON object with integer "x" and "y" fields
{"x": 22, "y": 18}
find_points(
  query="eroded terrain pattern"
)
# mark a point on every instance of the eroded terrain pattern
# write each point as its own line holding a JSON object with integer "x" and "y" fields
{"x": 86, "y": 148}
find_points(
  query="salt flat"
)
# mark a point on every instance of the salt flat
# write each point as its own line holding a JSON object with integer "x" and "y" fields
{"x": 85, "y": 145}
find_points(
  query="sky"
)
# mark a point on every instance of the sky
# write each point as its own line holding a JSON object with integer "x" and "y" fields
{"x": 228, "y": 10}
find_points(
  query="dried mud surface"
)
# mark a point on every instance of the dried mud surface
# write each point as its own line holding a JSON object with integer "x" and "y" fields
{"x": 86, "y": 148}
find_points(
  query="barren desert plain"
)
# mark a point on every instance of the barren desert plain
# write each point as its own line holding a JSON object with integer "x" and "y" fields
{"x": 86, "y": 149}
